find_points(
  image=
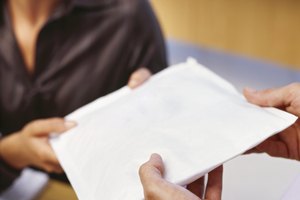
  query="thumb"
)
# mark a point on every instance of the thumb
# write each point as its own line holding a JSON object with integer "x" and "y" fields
{"x": 151, "y": 170}
{"x": 139, "y": 77}
{"x": 268, "y": 98}
{"x": 44, "y": 127}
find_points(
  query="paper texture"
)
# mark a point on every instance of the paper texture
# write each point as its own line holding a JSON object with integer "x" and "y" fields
{"x": 194, "y": 119}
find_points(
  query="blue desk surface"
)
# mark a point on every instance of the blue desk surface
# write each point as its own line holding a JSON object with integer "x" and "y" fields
{"x": 239, "y": 70}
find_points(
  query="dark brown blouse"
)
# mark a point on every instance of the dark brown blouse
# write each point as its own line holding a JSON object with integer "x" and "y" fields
{"x": 87, "y": 48}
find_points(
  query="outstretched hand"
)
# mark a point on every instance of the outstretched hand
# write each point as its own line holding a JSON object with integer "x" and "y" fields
{"x": 286, "y": 143}
{"x": 157, "y": 188}
{"x": 30, "y": 146}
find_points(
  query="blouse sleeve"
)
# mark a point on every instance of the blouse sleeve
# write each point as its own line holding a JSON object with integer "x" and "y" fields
{"x": 7, "y": 175}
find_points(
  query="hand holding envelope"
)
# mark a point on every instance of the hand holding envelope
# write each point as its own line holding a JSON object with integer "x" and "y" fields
{"x": 194, "y": 119}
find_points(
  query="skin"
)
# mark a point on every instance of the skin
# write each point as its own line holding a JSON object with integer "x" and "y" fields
{"x": 28, "y": 17}
{"x": 157, "y": 188}
{"x": 30, "y": 146}
{"x": 287, "y": 143}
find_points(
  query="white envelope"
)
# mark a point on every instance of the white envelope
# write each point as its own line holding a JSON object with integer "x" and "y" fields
{"x": 193, "y": 118}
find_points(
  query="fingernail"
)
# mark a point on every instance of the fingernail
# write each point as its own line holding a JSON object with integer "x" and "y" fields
{"x": 155, "y": 156}
{"x": 250, "y": 90}
{"x": 70, "y": 124}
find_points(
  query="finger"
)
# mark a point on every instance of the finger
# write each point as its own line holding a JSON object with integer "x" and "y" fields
{"x": 46, "y": 126}
{"x": 152, "y": 169}
{"x": 57, "y": 169}
{"x": 155, "y": 187}
{"x": 274, "y": 148}
{"x": 214, "y": 184}
{"x": 256, "y": 150}
{"x": 139, "y": 77}
{"x": 253, "y": 150}
{"x": 51, "y": 168}
{"x": 290, "y": 138}
{"x": 271, "y": 97}
{"x": 50, "y": 157}
{"x": 197, "y": 187}
{"x": 54, "y": 168}
{"x": 151, "y": 174}
{"x": 46, "y": 158}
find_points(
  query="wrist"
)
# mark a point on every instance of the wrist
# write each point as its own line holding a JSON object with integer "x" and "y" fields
{"x": 9, "y": 150}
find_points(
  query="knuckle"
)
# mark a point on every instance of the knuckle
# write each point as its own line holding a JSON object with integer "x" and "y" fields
{"x": 294, "y": 86}
{"x": 292, "y": 91}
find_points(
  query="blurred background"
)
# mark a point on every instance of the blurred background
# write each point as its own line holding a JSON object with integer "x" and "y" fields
{"x": 252, "y": 43}
{"x": 263, "y": 29}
